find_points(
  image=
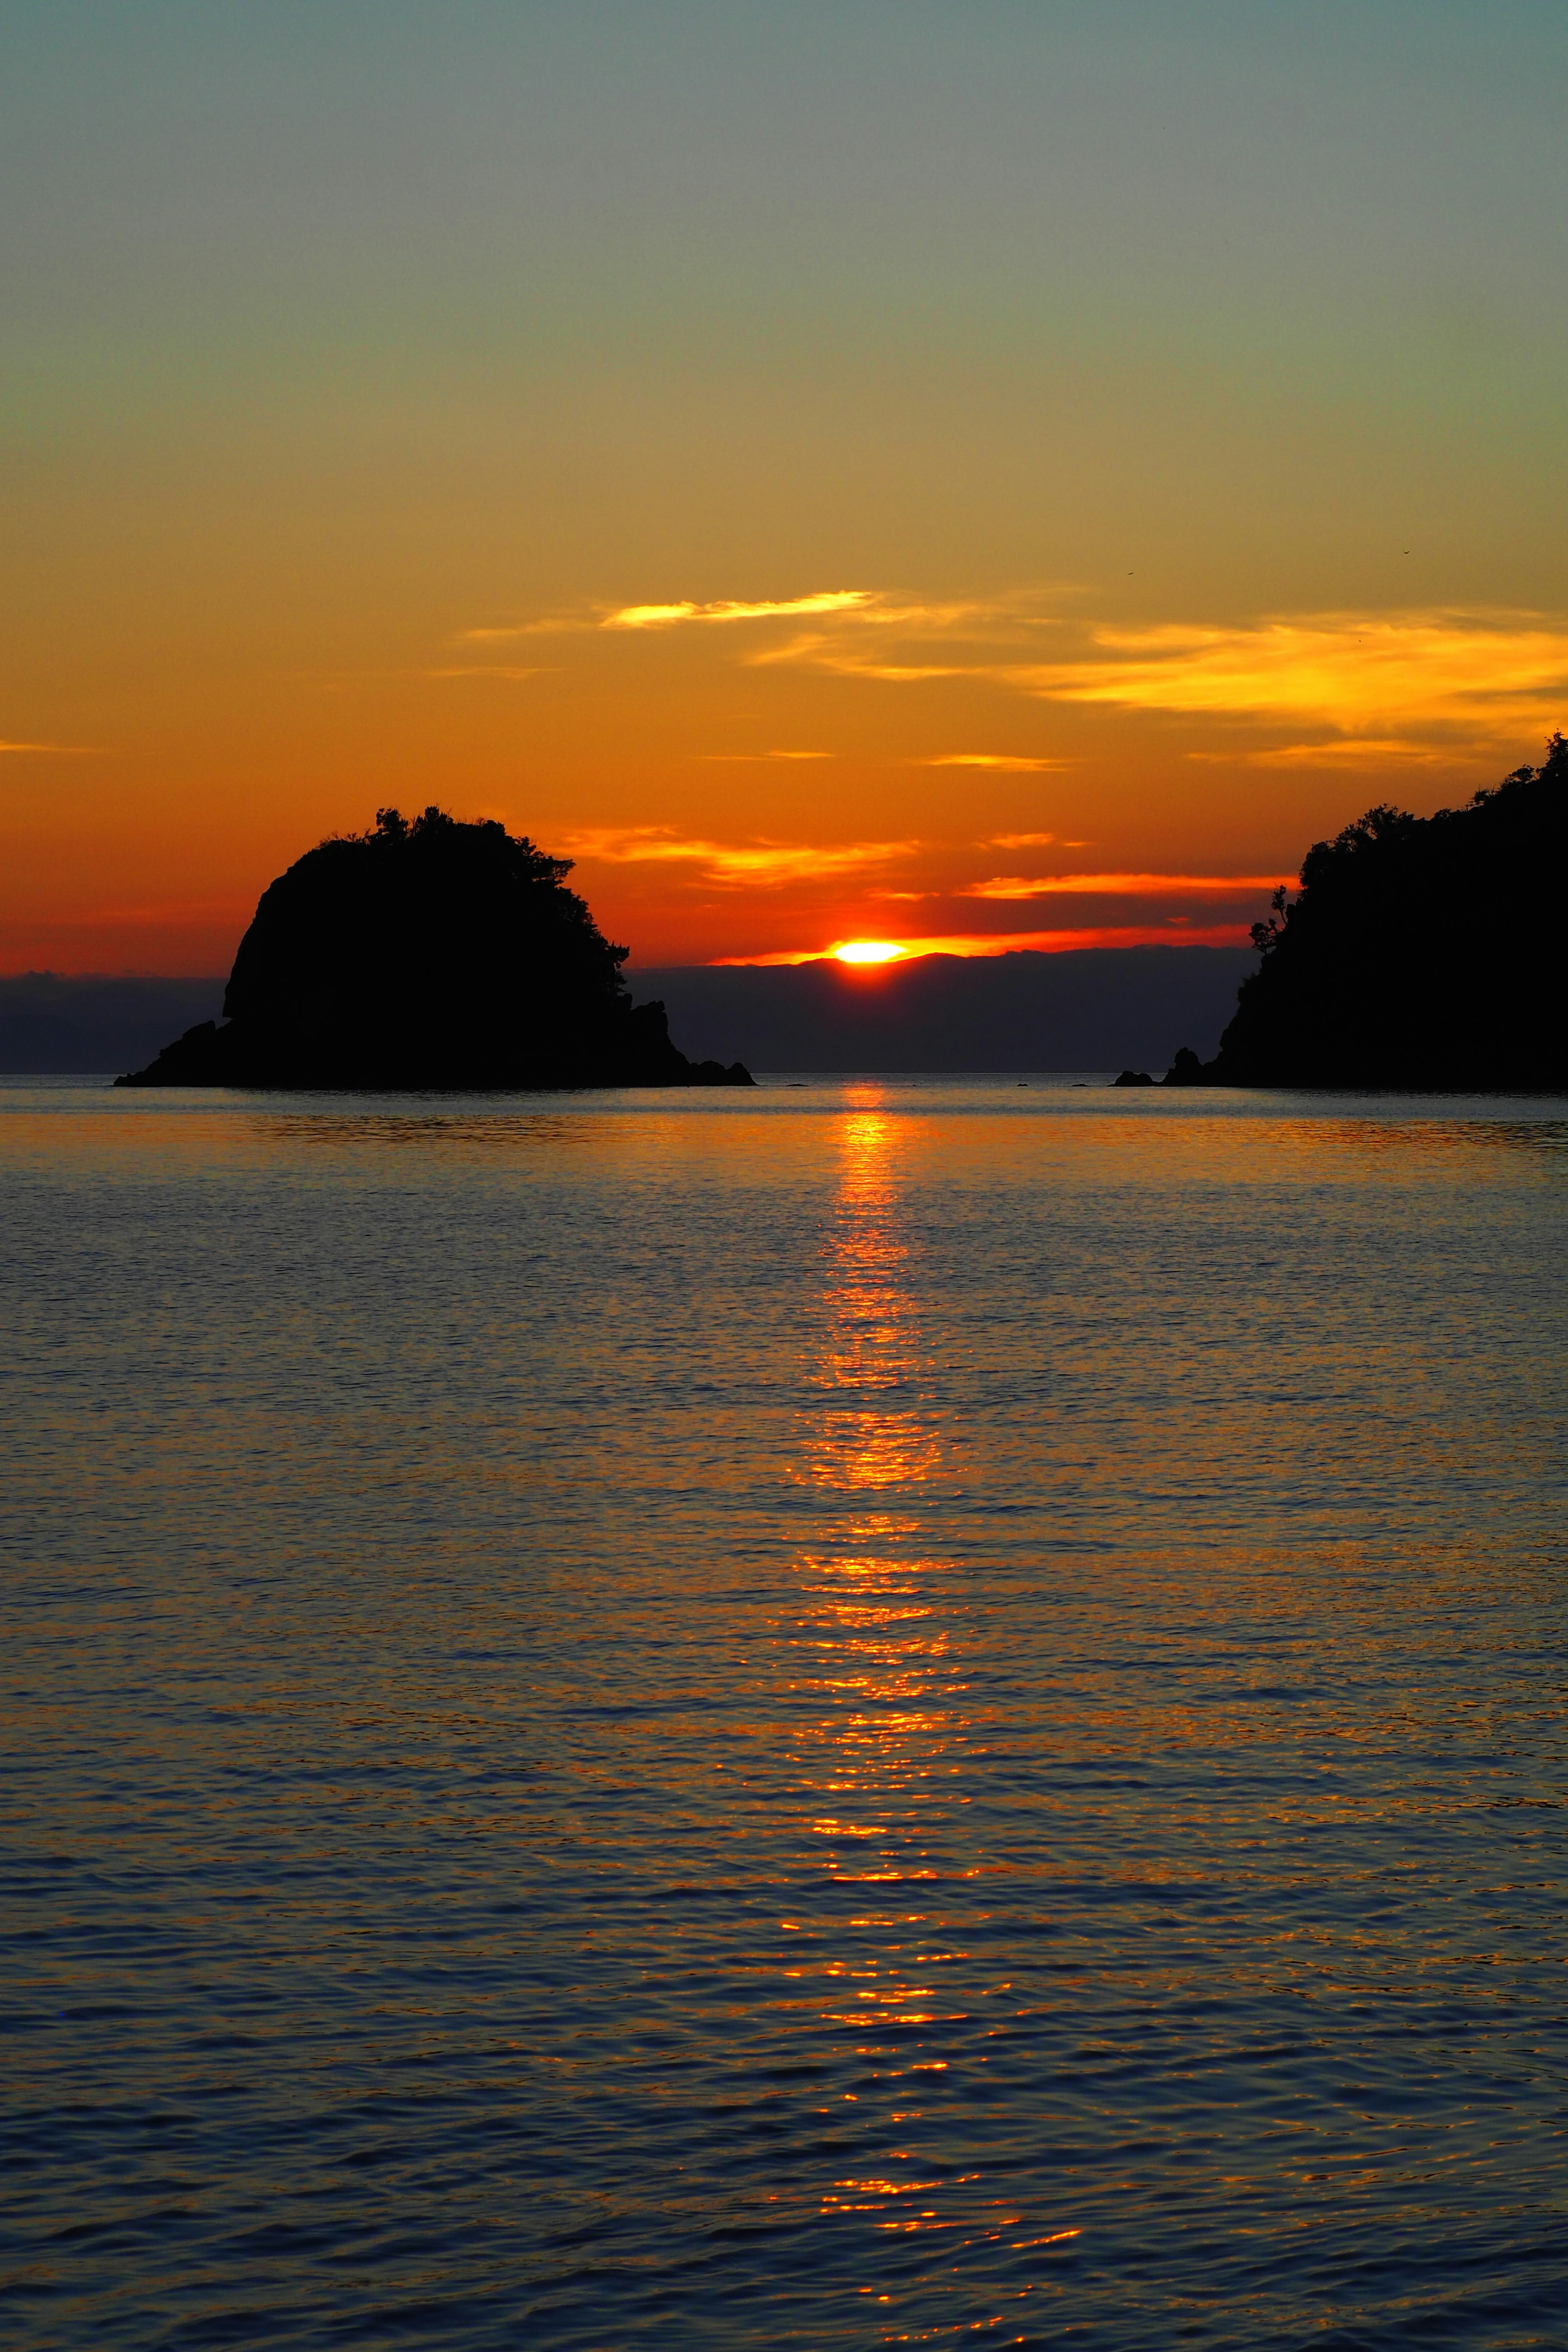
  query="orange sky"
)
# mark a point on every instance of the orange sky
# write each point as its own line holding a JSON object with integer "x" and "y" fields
{"x": 962, "y": 479}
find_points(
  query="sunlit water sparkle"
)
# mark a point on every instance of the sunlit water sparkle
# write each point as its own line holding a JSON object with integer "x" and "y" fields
{"x": 880, "y": 1713}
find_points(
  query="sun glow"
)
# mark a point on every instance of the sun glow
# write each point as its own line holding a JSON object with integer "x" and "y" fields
{"x": 868, "y": 951}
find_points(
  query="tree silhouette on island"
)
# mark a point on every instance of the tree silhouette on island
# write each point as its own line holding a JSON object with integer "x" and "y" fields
{"x": 1421, "y": 953}
{"x": 428, "y": 954}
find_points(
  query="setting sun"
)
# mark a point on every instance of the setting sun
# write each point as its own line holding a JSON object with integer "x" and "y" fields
{"x": 868, "y": 951}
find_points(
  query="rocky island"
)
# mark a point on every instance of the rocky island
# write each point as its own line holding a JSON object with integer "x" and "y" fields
{"x": 1421, "y": 953}
{"x": 428, "y": 954}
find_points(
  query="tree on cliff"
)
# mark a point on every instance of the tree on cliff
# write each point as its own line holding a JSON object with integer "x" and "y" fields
{"x": 428, "y": 953}
{"x": 1417, "y": 952}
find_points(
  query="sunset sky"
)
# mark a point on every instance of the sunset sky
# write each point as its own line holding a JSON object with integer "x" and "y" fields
{"x": 967, "y": 475}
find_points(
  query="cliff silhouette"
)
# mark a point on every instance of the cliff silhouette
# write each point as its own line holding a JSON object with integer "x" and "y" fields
{"x": 1420, "y": 953}
{"x": 428, "y": 954}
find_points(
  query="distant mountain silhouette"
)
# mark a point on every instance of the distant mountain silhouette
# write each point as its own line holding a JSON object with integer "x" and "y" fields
{"x": 1081, "y": 1009}
{"x": 55, "y": 1022}
{"x": 1422, "y": 953}
{"x": 430, "y": 954}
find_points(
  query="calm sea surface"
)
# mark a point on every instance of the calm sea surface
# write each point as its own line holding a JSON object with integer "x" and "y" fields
{"x": 886, "y": 1713}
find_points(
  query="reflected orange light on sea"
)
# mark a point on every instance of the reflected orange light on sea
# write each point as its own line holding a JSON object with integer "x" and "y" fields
{"x": 869, "y": 1439}
{"x": 876, "y": 1446}
{"x": 888, "y": 1671}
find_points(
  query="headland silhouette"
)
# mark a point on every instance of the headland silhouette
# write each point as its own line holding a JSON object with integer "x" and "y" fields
{"x": 1420, "y": 954}
{"x": 430, "y": 954}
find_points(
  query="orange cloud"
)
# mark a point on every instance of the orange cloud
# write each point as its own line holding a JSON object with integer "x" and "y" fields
{"x": 1120, "y": 886}
{"x": 1371, "y": 677}
{"x": 999, "y": 759}
{"x": 1029, "y": 841}
{"x": 873, "y": 607}
{"x": 538, "y": 624}
{"x": 53, "y": 750}
{"x": 486, "y": 669}
{"x": 1340, "y": 751}
{"x": 763, "y": 862}
{"x": 1353, "y": 671}
{"x": 665, "y": 616}
{"x": 1383, "y": 682}
{"x": 821, "y": 652}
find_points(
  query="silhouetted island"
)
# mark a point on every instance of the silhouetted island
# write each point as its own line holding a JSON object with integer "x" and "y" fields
{"x": 1421, "y": 953}
{"x": 430, "y": 954}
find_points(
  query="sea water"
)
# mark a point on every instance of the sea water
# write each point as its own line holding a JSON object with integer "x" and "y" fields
{"x": 871, "y": 1713}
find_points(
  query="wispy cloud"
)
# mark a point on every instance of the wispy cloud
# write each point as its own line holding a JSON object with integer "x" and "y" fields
{"x": 762, "y": 862}
{"x": 666, "y": 616}
{"x": 861, "y": 604}
{"x": 747, "y": 759}
{"x": 541, "y": 624}
{"x": 936, "y": 637}
{"x": 1340, "y": 751}
{"x": 816, "y": 649}
{"x": 1382, "y": 686}
{"x": 1387, "y": 681}
{"x": 54, "y": 750}
{"x": 851, "y": 609}
{"x": 1368, "y": 674}
{"x": 831, "y": 609}
{"x": 1004, "y": 760}
{"x": 1120, "y": 886}
{"x": 485, "y": 669}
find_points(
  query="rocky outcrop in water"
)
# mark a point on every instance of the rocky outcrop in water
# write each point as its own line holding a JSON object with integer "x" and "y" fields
{"x": 430, "y": 954}
{"x": 1421, "y": 953}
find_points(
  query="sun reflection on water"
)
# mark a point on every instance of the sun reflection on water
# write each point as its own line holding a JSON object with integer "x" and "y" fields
{"x": 884, "y": 1779}
{"x": 885, "y": 1654}
{"x": 870, "y": 1437}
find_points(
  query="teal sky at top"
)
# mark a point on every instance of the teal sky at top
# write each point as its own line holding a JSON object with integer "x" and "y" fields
{"x": 1149, "y": 265}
